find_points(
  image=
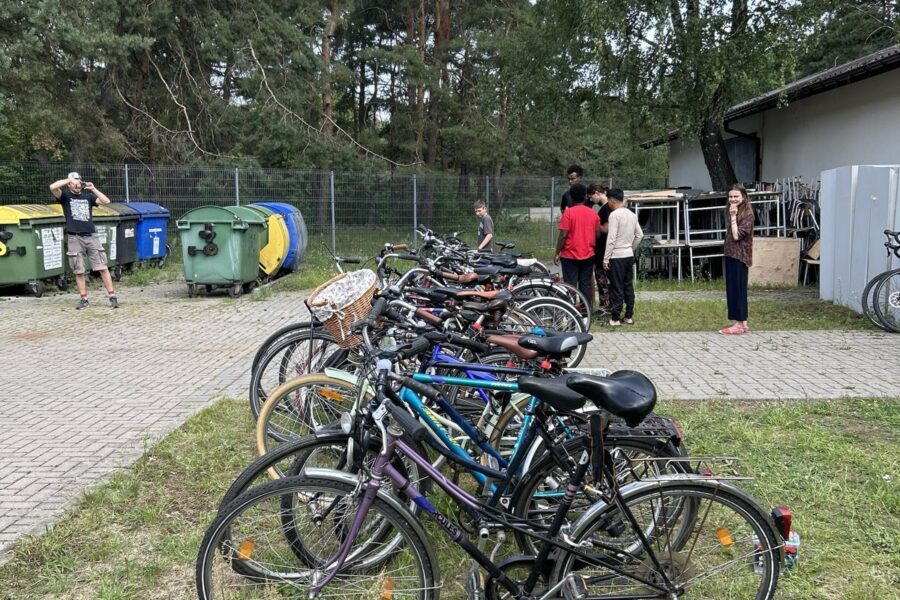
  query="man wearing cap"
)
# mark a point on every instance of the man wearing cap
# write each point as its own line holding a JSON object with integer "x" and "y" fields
{"x": 77, "y": 199}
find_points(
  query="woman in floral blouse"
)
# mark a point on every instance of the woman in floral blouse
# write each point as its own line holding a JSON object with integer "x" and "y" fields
{"x": 738, "y": 258}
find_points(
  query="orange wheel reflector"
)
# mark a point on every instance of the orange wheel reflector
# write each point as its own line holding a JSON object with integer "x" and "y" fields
{"x": 724, "y": 537}
{"x": 246, "y": 549}
{"x": 332, "y": 395}
{"x": 387, "y": 589}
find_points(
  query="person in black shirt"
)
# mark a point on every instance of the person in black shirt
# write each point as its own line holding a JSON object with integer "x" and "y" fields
{"x": 574, "y": 174}
{"x": 597, "y": 195}
{"x": 77, "y": 200}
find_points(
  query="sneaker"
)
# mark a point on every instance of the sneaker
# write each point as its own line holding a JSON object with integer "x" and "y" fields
{"x": 83, "y": 303}
{"x": 629, "y": 321}
{"x": 613, "y": 323}
{"x": 114, "y": 302}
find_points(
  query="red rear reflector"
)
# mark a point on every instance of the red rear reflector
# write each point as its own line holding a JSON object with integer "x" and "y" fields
{"x": 783, "y": 517}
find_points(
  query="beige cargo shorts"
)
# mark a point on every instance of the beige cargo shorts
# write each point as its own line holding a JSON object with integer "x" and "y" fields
{"x": 80, "y": 246}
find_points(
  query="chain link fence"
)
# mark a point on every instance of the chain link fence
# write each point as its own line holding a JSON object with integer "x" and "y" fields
{"x": 347, "y": 212}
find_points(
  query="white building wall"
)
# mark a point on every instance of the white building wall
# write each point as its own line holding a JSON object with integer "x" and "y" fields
{"x": 686, "y": 166}
{"x": 855, "y": 124}
{"x": 852, "y": 125}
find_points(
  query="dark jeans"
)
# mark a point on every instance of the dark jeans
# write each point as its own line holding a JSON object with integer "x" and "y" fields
{"x": 736, "y": 288}
{"x": 578, "y": 273}
{"x": 621, "y": 287}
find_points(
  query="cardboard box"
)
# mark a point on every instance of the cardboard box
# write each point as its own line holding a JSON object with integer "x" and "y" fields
{"x": 775, "y": 261}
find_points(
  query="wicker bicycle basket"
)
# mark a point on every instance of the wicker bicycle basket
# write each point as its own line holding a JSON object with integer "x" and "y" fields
{"x": 341, "y": 301}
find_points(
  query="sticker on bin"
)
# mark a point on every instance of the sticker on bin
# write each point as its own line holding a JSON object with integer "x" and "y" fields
{"x": 129, "y": 232}
{"x": 52, "y": 237}
{"x": 155, "y": 246}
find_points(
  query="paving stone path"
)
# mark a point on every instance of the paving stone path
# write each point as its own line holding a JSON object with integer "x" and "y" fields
{"x": 86, "y": 392}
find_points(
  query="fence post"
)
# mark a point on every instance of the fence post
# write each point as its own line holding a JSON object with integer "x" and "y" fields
{"x": 127, "y": 194}
{"x": 415, "y": 211}
{"x": 487, "y": 192}
{"x": 237, "y": 188}
{"x": 333, "y": 235}
{"x": 610, "y": 183}
{"x": 552, "y": 198}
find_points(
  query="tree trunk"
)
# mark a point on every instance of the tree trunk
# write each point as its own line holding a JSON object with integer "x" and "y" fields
{"x": 327, "y": 108}
{"x": 712, "y": 143}
{"x": 420, "y": 87}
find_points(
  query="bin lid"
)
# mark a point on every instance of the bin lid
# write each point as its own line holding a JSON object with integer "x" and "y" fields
{"x": 122, "y": 209}
{"x": 280, "y": 207}
{"x": 103, "y": 211}
{"x": 223, "y": 214}
{"x": 13, "y": 214}
{"x": 148, "y": 209}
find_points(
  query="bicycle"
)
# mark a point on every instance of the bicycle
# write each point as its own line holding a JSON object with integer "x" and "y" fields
{"x": 881, "y": 296}
{"x": 637, "y": 543}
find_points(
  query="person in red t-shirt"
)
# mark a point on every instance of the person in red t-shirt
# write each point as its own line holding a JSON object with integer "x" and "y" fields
{"x": 575, "y": 248}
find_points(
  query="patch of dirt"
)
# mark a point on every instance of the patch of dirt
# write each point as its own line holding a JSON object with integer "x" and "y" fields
{"x": 32, "y": 336}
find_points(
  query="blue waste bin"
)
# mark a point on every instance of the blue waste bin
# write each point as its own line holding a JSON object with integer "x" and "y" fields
{"x": 296, "y": 230}
{"x": 151, "y": 230}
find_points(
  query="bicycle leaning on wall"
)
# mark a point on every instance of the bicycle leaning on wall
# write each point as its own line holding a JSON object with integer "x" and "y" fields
{"x": 881, "y": 296}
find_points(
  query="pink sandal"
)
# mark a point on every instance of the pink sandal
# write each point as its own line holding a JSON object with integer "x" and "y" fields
{"x": 733, "y": 330}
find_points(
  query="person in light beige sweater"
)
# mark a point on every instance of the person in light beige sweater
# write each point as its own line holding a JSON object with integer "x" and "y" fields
{"x": 622, "y": 240}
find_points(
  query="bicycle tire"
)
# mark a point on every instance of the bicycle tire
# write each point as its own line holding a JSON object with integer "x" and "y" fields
{"x": 292, "y": 356}
{"x": 283, "y": 418}
{"x": 738, "y": 539}
{"x": 273, "y": 339}
{"x": 232, "y": 556}
{"x": 886, "y": 301}
{"x": 867, "y": 297}
{"x": 553, "y": 313}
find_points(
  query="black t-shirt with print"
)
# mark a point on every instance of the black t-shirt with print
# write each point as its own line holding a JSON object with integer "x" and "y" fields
{"x": 603, "y": 212}
{"x": 77, "y": 208}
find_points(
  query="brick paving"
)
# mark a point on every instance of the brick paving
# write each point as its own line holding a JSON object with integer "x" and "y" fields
{"x": 86, "y": 392}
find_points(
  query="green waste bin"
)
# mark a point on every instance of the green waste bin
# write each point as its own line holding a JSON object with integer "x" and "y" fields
{"x": 220, "y": 247}
{"x": 32, "y": 248}
{"x": 126, "y": 238}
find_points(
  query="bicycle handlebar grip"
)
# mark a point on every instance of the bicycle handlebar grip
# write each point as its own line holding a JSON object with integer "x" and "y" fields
{"x": 422, "y": 389}
{"x": 400, "y": 246}
{"x": 351, "y": 261}
{"x": 469, "y": 344}
{"x": 408, "y": 423}
{"x": 418, "y": 346}
{"x": 377, "y": 310}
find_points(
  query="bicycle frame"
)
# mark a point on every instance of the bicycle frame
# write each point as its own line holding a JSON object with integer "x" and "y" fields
{"x": 383, "y": 468}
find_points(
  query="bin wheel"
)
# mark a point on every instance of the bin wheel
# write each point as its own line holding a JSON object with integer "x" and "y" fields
{"x": 209, "y": 289}
{"x": 62, "y": 283}
{"x": 192, "y": 290}
{"x": 37, "y": 288}
{"x": 250, "y": 286}
{"x": 117, "y": 273}
{"x": 235, "y": 291}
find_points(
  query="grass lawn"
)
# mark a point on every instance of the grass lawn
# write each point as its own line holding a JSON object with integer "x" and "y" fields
{"x": 803, "y": 312}
{"x": 834, "y": 463}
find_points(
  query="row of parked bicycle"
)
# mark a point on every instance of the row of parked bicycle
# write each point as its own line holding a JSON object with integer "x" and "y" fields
{"x": 459, "y": 374}
{"x": 881, "y": 296}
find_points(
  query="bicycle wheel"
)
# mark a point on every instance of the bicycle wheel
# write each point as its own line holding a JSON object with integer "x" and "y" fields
{"x": 553, "y": 313}
{"x": 536, "y": 497}
{"x": 886, "y": 301}
{"x": 275, "y": 337}
{"x": 292, "y": 356}
{"x": 301, "y": 406}
{"x": 245, "y": 555}
{"x": 867, "y": 298}
{"x": 728, "y": 550}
